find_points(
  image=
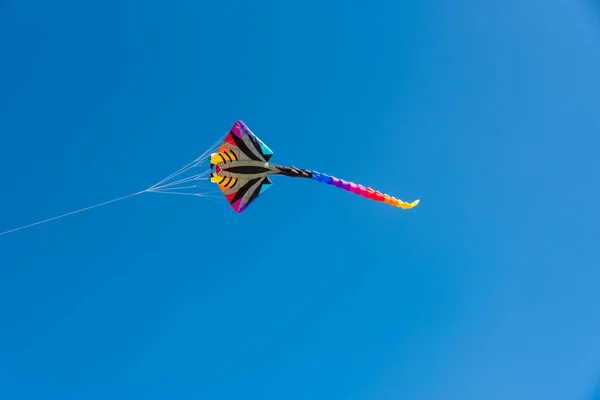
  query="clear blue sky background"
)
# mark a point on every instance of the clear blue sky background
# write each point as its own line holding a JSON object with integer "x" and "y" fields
{"x": 487, "y": 111}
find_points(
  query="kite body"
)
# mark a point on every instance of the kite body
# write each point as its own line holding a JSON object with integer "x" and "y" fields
{"x": 241, "y": 169}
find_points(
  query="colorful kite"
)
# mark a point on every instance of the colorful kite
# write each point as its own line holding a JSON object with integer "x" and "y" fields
{"x": 241, "y": 169}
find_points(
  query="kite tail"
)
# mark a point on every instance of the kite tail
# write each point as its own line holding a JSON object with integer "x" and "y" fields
{"x": 362, "y": 191}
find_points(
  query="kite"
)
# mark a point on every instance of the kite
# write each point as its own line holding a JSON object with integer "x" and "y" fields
{"x": 241, "y": 169}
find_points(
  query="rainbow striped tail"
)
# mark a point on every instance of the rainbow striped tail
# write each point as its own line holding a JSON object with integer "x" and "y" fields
{"x": 363, "y": 191}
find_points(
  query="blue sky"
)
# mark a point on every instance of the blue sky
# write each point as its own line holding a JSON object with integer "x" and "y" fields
{"x": 486, "y": 111}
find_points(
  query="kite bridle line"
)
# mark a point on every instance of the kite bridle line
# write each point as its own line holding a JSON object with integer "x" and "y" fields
{"x": 72, "y": 213}
{"x": 170, "y": 186}
{"x": 163, "y": 186}
{"x": 203, "y": 157}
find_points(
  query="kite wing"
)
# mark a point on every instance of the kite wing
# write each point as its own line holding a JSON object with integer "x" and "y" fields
{"x": 241, "y": 144}
{"x": 240, "y": 192}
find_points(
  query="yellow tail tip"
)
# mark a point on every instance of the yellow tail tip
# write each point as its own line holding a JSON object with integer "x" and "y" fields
{"x": 407, "y": 206}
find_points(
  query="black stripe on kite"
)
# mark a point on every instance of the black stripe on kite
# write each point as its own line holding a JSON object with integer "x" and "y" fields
{"x": 256, "y": 192}
{"x": 256, "y": 144}
{"x": 247, "y": 169}
{"x": 242, "y": 146}
{"x": 240, "y": 193}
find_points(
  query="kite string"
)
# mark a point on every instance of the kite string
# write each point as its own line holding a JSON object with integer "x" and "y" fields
{"x": 72, "y": 212}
